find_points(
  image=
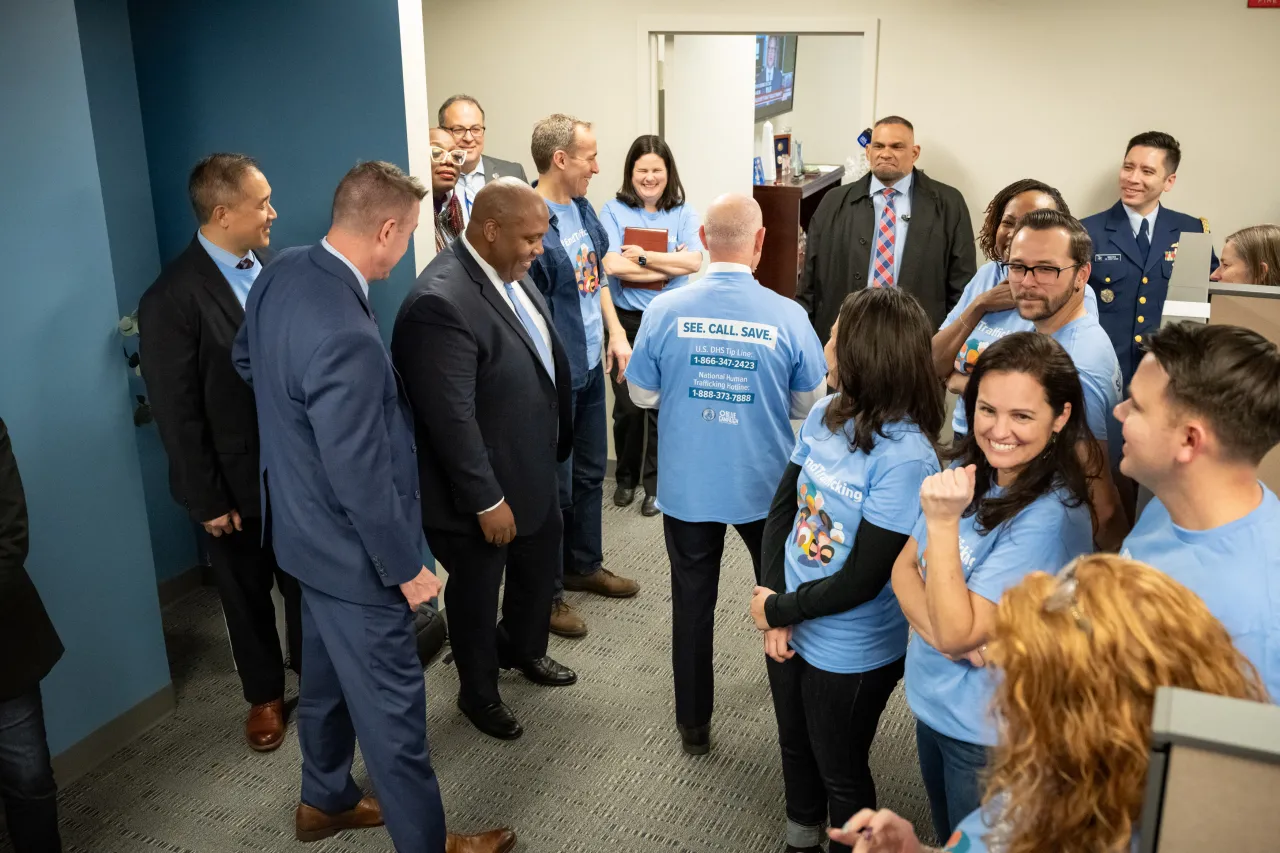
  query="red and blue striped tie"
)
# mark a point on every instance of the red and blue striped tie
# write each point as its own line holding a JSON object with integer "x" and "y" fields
{"x": 886, "y": 233}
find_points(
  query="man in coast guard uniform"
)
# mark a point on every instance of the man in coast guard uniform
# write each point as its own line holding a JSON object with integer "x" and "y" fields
{"x": 727, "y": 363}
{"x": 1135, "y": 243}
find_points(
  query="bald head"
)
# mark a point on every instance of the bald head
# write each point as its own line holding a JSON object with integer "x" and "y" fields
{"x": 733, "y": 229}
{"x": 508, "y": 221}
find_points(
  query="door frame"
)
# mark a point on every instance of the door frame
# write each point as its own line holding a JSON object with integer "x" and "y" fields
{"x": 650, "y": 27}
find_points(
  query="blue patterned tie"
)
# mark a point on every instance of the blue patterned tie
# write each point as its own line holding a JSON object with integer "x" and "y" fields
{"x": 525, "y": 320}
{"x": 1144, "y": 241}
{"x": 886, "y": 236}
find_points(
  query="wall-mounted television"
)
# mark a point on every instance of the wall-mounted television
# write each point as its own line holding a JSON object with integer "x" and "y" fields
{"x": 775, "y": 74}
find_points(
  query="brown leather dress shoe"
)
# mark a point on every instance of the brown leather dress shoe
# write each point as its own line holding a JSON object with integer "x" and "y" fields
{"x": 566, "y": 621}
{"x": 311, "y": 824}
{"x": 601, "y": 582}
{"x": 493, "y": 841}
{"x": 265, "y": 727}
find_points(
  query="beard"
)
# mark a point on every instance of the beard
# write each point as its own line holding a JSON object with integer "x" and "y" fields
{"x": 888, "y": 174}
{"x": 1042, "y": 309}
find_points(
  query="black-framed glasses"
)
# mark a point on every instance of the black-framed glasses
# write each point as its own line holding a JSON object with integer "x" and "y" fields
{"x": 439, "y": 156}
{"x": 458, "y": 131}
{"x": 1063, "y": 598}
{"x": 1042, "y": 273}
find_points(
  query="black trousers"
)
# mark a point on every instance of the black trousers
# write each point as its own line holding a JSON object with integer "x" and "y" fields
{"x": 635, "y": 430}
{"x": 244, "y": 571}
{"x": 826, "y": 723}
{"x": 471, "y": 600}
{"x": 695, "y": 549}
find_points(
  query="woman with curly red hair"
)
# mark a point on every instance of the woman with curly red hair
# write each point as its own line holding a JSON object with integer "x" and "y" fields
{"x": 1081, "y": 655}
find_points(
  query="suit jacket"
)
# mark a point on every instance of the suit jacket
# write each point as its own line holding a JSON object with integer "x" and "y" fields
{"x": 27, "y": 637}
{"x": 1131, "y": 289}
{"x": 339, "y": 476}
{"x": 491, "y": 424}
{"x": 495, "y": 168}
{"x": 204, "y": 411}
{"x": 937, "y": 261}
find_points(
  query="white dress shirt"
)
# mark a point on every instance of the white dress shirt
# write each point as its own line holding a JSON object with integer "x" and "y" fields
{"x": 470, "y": 183}
{"x": 364, "y": 285}
{"x": 902, "y": 209}
{"x": 1135, "y": 221}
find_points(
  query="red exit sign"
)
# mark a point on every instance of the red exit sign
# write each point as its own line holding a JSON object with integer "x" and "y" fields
{"x": 1264, "y": 4}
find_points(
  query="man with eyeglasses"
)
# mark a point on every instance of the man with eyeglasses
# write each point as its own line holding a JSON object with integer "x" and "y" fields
{"x": 463, "y": 117}
{"x": 1048, "y": 273}
{"x": 446, "y": 165}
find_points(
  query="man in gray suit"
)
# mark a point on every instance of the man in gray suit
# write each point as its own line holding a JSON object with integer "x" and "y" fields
{"x": 463, "y": 117}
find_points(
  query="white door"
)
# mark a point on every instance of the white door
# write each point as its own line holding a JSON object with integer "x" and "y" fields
{"x": 709, "y": 113}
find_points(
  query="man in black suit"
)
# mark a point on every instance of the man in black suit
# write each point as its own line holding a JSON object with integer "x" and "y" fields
{"x": 463, "y": 117}
{"x": 895, "y": 227}
{"x": 30, "y": 649}
{"x": 489, "y": 383}
{"x": 208, "y": 423}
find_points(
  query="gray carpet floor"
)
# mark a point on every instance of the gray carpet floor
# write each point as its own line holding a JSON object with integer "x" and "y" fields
{"x": 599, "y": 768}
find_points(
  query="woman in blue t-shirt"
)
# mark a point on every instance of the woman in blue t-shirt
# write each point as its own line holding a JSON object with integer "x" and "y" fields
{"x": 986, "y": 311}
{"x": 1015, "y": 501}
{"x": 651, "y": 197}
{"x": 836, "y": 638}
{"x": 1082, "y": 656}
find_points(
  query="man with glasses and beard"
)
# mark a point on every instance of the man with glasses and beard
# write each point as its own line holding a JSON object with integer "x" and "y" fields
{"x": 463, "y": 117}
{"x": 1048, "y": 273}
{"x": 446, "y": 163}
{"x": 895, "y": 227}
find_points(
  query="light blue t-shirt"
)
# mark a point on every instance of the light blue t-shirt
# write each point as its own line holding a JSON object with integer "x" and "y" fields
{"x": 726, "y": 353}
{"x": 837, "y": 489}
{"x": 1095, "y": 359}
{"x": 952, "y": 697}
{"x": 681, "y": 224}
{"x": 587, "y": 268}
{"x": 1234, "y": 568}
{"x": 990, "y": 328}
{"x": 969, "y": 834}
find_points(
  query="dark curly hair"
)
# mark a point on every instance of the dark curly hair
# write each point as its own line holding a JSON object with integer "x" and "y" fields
{"x": 995, "y": 210}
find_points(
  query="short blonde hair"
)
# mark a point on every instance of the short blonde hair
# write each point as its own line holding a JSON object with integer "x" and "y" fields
{"x": 373, "y": 192}
{"x": 1258, "y": 245}
{"x": 551, "y": 134}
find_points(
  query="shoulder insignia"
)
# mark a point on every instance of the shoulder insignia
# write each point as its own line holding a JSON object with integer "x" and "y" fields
{"x": 1204, "y": 223}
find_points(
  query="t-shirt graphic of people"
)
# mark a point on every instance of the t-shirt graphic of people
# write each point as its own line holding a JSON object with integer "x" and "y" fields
{"x": 587, "y": 268}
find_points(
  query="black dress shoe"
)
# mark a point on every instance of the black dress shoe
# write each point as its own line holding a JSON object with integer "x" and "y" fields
{"x": 495, "y": 720}
{"x": 623, "y": 496}
{"x": 696, "y": 740}
{"x": 650, "y": 506}
{"x": 545, "y": 671}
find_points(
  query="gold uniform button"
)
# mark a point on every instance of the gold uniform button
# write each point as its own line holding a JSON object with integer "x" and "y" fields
{"x": 1108, "y": 279}
{"x": 1144, "y": 279}
{"x": 1142, "y": 300}
{"x": 1141, "y": 319}
{"x": 1138, "y": 338}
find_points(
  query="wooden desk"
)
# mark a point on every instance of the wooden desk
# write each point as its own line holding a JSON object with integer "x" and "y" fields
{"x": 787, "y": 209}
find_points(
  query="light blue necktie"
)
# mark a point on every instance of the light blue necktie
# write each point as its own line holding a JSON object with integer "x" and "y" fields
{"x": 529, "y": 326}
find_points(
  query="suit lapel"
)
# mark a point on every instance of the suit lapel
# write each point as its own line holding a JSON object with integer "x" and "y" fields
{"x": 215, "y": 283}
{"x": 490, "y": 293}
{"x": 1122, "y": 236}
{"x": 491, "y": 172}
{"x": 924, "y": 214}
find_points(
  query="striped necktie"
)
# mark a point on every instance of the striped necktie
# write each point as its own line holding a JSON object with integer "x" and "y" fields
{"x": 886, "y": 234}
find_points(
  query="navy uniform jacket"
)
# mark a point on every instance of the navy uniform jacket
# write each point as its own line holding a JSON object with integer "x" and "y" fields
{"x": 339, "y": 471}
{"x": 1131, "y": 290}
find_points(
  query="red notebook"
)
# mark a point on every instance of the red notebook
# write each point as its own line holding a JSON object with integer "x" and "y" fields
{"x": 651, "y": 240}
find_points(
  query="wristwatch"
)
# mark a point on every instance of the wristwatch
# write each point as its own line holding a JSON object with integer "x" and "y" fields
{"x": 642, "y": 261}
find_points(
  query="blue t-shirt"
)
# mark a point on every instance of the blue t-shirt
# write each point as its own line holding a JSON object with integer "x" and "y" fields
{"x": 969, "y": 834}
{"x": 837, "y": 489}
{"x": 952, "y": 697}
{"x": 991, "y": 327}
{"x": 1234, "y": 568}
{"x": 1095, "y": 359}
{"x": 586, "y": 268}
{"x": 726, "y": 354}
{"x": 681, "y": 224}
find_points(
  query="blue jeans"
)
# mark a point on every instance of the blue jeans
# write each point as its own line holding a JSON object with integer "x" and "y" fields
{"x": 952, "y": 771}
{"x": 582, "y": 483}
{"x": 26, "y": 776}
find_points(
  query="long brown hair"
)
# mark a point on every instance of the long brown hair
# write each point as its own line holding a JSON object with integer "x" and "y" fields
{"x": 885, "y": 364}
{"x": 1082, "y": 656}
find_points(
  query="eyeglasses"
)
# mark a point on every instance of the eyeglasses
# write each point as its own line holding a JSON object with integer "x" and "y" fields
{"x": 1063, "y": 598}
{"x": 1043, "y": 274}
{"x": 439, "y": 156}
{"x": 476, "y": 131}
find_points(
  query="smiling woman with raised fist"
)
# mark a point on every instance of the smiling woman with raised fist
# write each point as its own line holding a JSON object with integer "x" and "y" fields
{"x": 1015, "y": 501}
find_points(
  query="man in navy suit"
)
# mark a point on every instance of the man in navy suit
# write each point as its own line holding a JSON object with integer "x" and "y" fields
{"x": 490, "y": 384}
{"x": 1135, "y": 243}
{"x": 340, "y": 488}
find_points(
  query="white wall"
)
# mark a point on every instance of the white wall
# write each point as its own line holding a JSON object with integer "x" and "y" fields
{"x": 828, "y": 98}
{"x": 961, "y": 70}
